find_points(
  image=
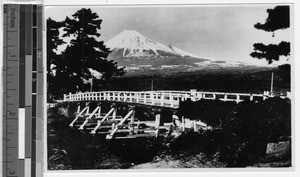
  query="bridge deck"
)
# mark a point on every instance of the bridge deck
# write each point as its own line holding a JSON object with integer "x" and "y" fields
{"x": 163, "y": 98}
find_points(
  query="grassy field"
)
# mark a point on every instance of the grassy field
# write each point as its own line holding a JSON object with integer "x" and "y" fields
{"x": 250, "y": 80}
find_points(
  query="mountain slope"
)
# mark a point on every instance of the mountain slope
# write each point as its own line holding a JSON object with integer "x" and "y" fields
{"x": 133, "y": 44}
{"x": 134, "y": 50}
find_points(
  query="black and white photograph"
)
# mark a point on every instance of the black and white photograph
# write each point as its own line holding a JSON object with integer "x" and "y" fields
{"x": 169, "y": 86}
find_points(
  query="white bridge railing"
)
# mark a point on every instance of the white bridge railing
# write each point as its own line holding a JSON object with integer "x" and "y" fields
{"x": 162, "y": 98}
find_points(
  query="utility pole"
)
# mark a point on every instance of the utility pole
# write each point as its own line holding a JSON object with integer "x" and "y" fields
{"x": 151, "y": 84}
{"x": 91, "y": 89}
{"x": 151, "y": 80}
{"x": 272, "y": 78}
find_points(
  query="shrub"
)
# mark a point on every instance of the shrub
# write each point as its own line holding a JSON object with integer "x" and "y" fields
{"x": 250, "y": 126}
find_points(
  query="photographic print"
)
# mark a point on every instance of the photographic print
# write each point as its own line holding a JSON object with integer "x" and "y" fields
{"x": 169, "y": 86}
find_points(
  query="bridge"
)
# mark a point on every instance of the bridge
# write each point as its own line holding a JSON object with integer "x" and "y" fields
{"x": 163, "y": 98}
{"x": 90, "y": 116}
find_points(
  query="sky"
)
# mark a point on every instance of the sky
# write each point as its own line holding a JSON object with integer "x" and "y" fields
{"x": 217, "y": 32}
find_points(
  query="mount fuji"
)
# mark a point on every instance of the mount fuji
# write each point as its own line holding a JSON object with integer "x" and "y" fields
{"x": 130, "y": 48}
{"x": 134, "y": 44}
{"x": 136, "y": 51}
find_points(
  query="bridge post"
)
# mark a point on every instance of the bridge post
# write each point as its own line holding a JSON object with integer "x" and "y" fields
{"x": 130, "y": 97}
{"x": 137, "y": 97}
{"x": 114, "y": 113}
{"x": 125, "y": 97}
{"x": 203, "y": 95}
{"x": 265, "y": 95}
{"x": 145, "y": 99}
{"x": 214, "y": 96}
{"x": 113, "y": 125}
{"x": 181, "y": 97}
{"x": 99, "y": 96}
{"x": 132, "y": 120}
{"x": 238, "y": 98}
{"x": 78, "y": 108}
{"x": 195, "y": 126}
{"x": 113, "y": 96}
{"x": 225, "y": 97}
{"x": 157, "y": 122}
{"x": 75, "y": 96}
{"x": 172, "y": 100}
{"x": 118, "y": 95}
{"x": 88, "y": 108}
{"x": 103, "y": 94}
{"x": 162, "y": 96}
{"x": 198, "y": 96}
{"x": 251, "y": 97}
{"x": 152, "y": 98}
{"x": 107, "y": 96}
{"x": 193, "y": 94}
{"x": 183, "y": 123}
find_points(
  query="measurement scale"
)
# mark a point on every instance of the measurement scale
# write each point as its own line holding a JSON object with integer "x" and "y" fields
{"x": 22, "y": 90}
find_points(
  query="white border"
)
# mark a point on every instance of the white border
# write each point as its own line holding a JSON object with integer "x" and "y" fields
{"x": 175, "y": 173}
{"x": 274, "y": 172}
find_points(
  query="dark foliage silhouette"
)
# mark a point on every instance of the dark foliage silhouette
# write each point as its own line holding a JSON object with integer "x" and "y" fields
{"x": 278, "y": 19}
{"x": 244, "y": 129}
{"x": 271, "y": 52}
{"x": 53, "y": 42}
{"x": 72, "y": 68}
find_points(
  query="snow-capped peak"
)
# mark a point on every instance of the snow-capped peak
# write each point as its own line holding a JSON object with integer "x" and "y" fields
{"x": 135, "y": 44}
{"x": 182, "y": 52}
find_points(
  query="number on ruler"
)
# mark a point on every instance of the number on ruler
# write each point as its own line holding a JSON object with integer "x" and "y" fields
{"x": 11, "y": 172}
{"x": 11, "y": 113}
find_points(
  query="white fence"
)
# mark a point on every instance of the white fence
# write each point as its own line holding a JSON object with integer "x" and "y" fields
{"x": 164, "y": 98}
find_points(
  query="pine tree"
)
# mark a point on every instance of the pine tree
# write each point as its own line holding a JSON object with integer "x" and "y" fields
{"x": 278, "y": 19}
{"x": 71, "y": 70}
{"x": 53, "y": 41}
{"x": 86, "y": 52}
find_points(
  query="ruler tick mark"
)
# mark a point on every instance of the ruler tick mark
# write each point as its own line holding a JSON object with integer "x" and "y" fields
{"x": 9, "y": 162}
